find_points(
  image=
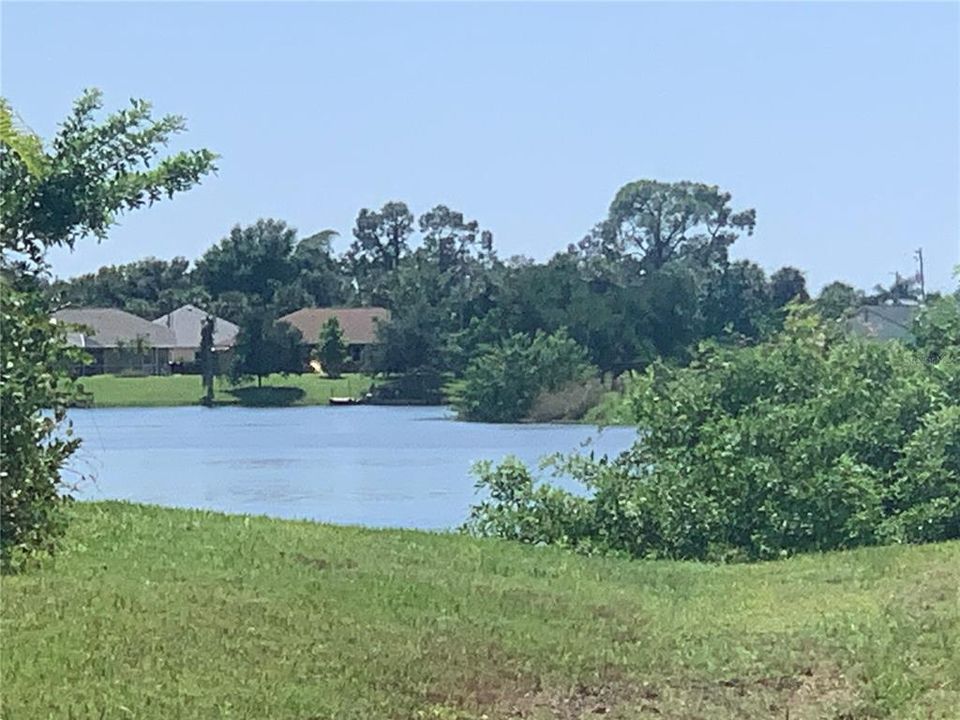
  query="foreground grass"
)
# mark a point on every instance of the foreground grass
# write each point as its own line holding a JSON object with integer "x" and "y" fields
{"x": 155, "y": 613}
{"x": 164, "y": 390}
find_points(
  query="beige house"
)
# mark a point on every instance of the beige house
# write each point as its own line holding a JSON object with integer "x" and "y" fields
{"x": 117, "y": 341}
{"x": 359, "y": 325}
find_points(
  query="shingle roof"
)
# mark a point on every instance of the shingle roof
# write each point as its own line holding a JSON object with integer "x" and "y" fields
{"x": 105, "y": 327}
{"x": 884, "y": 322}
{"x": 359, "y": 325}
{"x": 187, "y": 323}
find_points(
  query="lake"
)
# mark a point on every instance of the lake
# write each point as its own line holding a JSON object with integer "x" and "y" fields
{"x": 365, "y": 465}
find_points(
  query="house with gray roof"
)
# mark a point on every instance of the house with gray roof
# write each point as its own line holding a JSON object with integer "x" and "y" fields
{"x": 117, "y": 341}
{"x": 884, "y": 322}
{"x": 186, "y": 323}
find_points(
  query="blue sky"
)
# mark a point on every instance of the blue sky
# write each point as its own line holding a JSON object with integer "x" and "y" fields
{"x": 839, "y": 123}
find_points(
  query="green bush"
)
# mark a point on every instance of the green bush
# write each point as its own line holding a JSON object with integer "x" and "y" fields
{"x": 502, "y": 383}
{"x": 35, "y": 392}
{"x": 926, "y": 494}
{"x": 808, "y": 442}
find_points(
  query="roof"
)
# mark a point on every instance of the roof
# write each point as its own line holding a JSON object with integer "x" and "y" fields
{"x": 884, "y": 322}
{"x": 359, "y": 325}
{"x": 187, "y": 323}
{"x": 106, "y": 327}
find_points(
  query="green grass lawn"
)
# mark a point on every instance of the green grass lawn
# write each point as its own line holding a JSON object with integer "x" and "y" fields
{"x": 155, "y": 613}
{"x": 114, "y": 391}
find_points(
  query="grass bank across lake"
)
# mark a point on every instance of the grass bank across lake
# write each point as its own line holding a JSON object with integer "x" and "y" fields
{"x": 167, "y": 390}
{"x": 155, "y": 613}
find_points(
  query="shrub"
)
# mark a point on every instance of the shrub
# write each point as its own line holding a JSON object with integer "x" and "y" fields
{"x": 807, "y": 442}
{"x": 502, "y": 383}
{"x": 35, "y": 392}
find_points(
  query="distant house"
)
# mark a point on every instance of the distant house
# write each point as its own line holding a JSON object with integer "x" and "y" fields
{"x": 884, "y": 322}
{"x": 186, "y": 323}
{"x": 359, "y": 325}
{"x": 118, "y": 341}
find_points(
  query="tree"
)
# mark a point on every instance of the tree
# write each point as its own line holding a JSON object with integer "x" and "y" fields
{"x": 737, "y": 300}
{"x": 331, "y": 350}
{"x": 255, "y": 260}
{"x": 788, "y": 285}
{"x": 449, "y": 240}
{"x": 148, "y": 288}
{"x": 265, "y": 346}
{"x": 51, "y": 195}
{"x": 837, "y": 300}
{"x": 380, "y": 243}
{"x": 936, "y": 331}
{"x": 902, "y": 288}
{"x": 207, "y": 358}
{"x": 655, "y": 222}
{"x": 319, "y": 273}
{"x": 411, "y": 341}
{"x": 93, "y": 173}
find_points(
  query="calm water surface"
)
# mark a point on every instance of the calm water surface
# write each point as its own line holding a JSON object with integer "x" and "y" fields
{"x": 377, "y": 466}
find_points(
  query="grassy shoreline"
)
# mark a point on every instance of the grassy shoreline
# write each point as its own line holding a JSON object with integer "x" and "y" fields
{"x": 175, "y": 390}
{"x": 159, "y": 613}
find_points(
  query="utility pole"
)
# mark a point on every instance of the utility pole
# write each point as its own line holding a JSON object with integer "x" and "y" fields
{"x": 923, "y": 288}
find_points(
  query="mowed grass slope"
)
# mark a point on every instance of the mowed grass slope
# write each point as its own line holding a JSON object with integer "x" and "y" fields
{"x": 156, "y": 613}
{"x": 164, "y": 390}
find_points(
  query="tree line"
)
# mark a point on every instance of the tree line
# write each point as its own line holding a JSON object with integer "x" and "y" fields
{"x": 651, "y": 280}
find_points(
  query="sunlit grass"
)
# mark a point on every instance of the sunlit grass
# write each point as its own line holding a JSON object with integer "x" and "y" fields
{"x": 155, "y": 613}
{"x": 153, "y": 391}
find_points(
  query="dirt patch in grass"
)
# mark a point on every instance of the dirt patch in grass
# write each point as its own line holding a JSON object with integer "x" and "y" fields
{"x": 822, "y": 693}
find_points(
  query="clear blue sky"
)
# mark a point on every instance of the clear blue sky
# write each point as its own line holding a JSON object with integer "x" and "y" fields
{"x": 839, "y": 123}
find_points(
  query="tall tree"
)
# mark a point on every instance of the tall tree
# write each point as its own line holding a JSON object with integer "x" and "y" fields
{"x": 450, "y": 240}
{"x": 788, "y": 285}
{"x": 94, "y": 170}
{"x": 655, "y": 222}
{"x": 265, "y": 346}
{"x": 253, "y": 260}
{"x": 901, "y": 289}
{"x": 737, "y": 300}
{"x": 837, "y": 299}
{"x": 332, "y": 350}
{"x": 319, "y": 274}
{"x": 381, "y": 240}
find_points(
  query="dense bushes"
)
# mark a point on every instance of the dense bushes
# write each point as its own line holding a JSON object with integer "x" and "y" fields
{"x": 503, "y": 382}
{"x": 34, "y": 358}
{"x": 808, "y": 442}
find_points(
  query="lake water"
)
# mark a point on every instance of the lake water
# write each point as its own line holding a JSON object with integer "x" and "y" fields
{"x": 365, "y": 465}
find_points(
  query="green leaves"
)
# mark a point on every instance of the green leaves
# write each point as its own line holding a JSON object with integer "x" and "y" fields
{"x": 331, "y": 350}
{"x": 501, "y": 384}
{"x": 807, "y": 442}
{"x": 265, "y": 346}
{"x": 93, "y": 172}
{"x": 90, "y": 173}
